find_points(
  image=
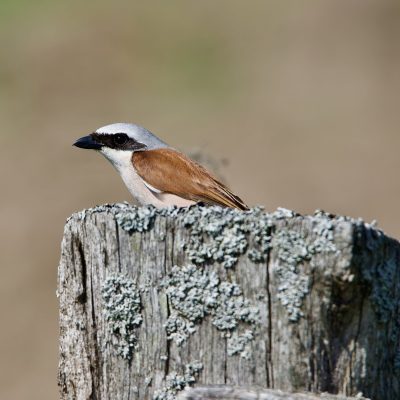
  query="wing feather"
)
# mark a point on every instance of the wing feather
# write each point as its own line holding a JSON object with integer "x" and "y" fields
{"x": 170, "y": 171}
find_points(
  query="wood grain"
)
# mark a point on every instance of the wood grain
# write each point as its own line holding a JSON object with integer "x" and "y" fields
{"x": 321, "y": 299}
{"x": 243, "y": 393}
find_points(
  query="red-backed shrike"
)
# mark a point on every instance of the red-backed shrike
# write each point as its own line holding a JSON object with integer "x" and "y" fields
{"x": 155, "y": 173}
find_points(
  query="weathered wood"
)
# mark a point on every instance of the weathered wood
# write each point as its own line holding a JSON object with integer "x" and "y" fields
{"x": 223, "y": 392}
{"x": 152, "y": 301}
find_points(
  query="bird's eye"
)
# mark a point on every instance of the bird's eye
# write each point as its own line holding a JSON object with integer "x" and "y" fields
{"x": 120, "y": 139}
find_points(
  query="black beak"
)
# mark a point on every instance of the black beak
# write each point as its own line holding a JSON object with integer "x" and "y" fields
{"x": 87, "y": 142}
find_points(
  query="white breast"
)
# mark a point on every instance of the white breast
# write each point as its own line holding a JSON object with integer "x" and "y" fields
{"x": 121, "y": 160}
{"x": 138, "y": 188}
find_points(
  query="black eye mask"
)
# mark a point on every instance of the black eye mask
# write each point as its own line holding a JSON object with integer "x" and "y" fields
{"x": 117, "y": 141}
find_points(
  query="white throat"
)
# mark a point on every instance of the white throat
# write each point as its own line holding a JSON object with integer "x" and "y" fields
{"x": 120, "y": 159}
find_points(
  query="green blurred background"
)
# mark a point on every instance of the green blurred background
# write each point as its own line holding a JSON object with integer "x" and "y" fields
{"x": 301, "y": 97}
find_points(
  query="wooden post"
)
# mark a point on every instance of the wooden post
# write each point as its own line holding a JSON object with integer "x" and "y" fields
{"x": 154, "y": 301}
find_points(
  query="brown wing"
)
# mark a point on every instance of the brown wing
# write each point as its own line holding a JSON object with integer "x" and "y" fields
{"x": 172, "y": 172}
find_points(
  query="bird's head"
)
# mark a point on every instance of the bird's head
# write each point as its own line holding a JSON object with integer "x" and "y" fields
{"x": 118, "y": 141}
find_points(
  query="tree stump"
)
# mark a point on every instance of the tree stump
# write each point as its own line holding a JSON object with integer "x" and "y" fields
{"x": 152, "y": 301}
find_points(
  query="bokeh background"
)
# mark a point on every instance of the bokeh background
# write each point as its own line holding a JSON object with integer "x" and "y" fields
{"x": 301, "y": 98}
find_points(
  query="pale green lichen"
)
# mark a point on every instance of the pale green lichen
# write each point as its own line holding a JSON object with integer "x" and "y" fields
{"x": 195, "y": 293}
{"x": 122, "y": 313}
{"x": 324, "y": 236}
{"x": 179, "y": 329}
{"x": 136, "y": 219}
{"x": 130, "y": 218}
{"x": 292, "y": 284}
{"x": 113, "y": 208}
{"x": 293, "y": 249}
{"x": 240, "y": 344}
{"x": 222, "y": 235}
{"x": 217, "y": 235}
{"x": 176, "y": 382}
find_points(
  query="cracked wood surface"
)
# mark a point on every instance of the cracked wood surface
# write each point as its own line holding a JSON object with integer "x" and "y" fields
{"x": 346, "y": 340}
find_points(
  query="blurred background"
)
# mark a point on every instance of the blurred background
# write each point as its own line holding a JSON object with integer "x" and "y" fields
{"x": 301, "y": 98}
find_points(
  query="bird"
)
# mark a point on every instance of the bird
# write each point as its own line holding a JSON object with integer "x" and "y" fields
{"x": 156, "y": 173}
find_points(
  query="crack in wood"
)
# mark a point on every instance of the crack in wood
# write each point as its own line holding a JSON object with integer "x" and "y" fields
{"x": 269, "y": 366}
{"x": 288, "y": 355}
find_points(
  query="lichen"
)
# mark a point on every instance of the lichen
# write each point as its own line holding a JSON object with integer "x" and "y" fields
{"x": 232, "y": 307}
{"x": 130, "y": 218}
{"x": 136, "y": 219}
{"x": 292, "y": 284}
{"x": 176, "y": 382}
{"x": 122, "y": 313}
{"x": 222, "y": 235}
{"x": 324, "y": 240}
{"x": 196, "y": 292}
{"x": 293, "y": 249}
{"x": 179, "y": 329}
{"x": 217, "y": 235}
{"x": 239, "y": 344}
{"x": 345, "y": 218}
{"x": 113, "y": 208}
{"x": 283, "y": 213}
